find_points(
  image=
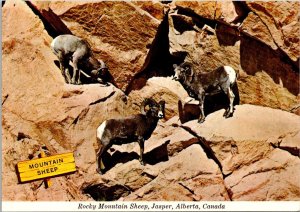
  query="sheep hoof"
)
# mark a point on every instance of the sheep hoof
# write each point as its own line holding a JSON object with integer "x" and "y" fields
{"x": 105, "y": 84}
{"x": 99, "y": 171}
{"x": 201, "y": 121}
{"x": 102, "y": 82}
{"x": 228, "y": 115}
{"x": 142, "y": 163}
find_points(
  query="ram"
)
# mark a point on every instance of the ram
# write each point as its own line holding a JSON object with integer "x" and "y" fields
{"x": 199, "y": 85}
{"x": 71, "y": 48}
{"x": 137, "y": 127}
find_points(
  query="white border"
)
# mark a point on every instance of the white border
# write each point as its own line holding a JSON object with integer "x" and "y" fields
{"x": 148, "y": 206}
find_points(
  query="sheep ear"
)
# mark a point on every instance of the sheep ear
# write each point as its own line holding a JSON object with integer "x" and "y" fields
{"x": 174, "y": 65}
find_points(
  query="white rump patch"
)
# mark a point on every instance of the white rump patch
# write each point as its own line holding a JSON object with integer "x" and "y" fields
{"x": 100, "y": 130}
{"x": 53, "y": 43}
{"x": 231, "y": 73}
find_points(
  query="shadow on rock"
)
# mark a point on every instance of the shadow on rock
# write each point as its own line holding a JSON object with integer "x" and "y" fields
{"x": 107, "y": 77}
{"x": 102, "y": 192}
{"x": 191, "y": 111}
{"x": 118, "y": 157}
{"x": 156, "y": 155}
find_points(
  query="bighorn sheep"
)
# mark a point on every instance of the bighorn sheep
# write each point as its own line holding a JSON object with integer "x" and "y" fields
{"x": 137, "y": 127}
{"x": 70, "y": 47}
{"x": 210, "y": 83}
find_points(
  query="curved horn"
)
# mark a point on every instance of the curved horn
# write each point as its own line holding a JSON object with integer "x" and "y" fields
{"x": 186, "y": 64}
{"x": 103, "y": 65}
{"x": 147, "y": 101}
{"x": 188, "y": 68}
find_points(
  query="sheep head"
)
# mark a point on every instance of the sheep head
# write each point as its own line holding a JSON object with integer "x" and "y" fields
{"x": 155, "y": 109}
{"x": 182, "y": 71}
{"x": 101, "y": 71}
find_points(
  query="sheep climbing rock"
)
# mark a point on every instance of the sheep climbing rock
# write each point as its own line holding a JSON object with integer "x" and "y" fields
{"x": 199, "y": 85}
{"x": 137, "y": 127}
{"x": 71, "y": 48}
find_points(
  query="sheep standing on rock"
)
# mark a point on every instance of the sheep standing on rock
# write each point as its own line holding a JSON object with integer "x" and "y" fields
{"x": 210, "y": 83}
{"x": 137, "y": 127}
{"x": 71, "y": 48}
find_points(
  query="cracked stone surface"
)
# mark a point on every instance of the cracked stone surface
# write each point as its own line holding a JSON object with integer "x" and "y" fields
{"x": 248, "y": 166}
{"x": 242, "y": 145}
{"x": 262, "y": 180}
{"x": 170, "y": 184}
{"x": 282, "y": 22}
{"x": 124, "y": 47}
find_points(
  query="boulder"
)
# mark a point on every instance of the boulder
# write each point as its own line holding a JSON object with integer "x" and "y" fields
{"x": 261, "y": 180}
{"x": 243, "y": 147}
{"x": 253, "y": 145}
{"x": 169, "y": 184}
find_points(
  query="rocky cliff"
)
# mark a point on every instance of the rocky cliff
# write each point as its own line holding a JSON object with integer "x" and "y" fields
{"x": 250, "y": 156}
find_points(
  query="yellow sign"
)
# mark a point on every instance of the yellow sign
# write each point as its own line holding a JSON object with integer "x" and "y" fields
{"x": 46, "y": 167}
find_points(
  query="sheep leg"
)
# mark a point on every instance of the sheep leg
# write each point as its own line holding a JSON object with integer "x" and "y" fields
{"x": 75, "y": 70}
{"x": 67, "y": 72}
{"x": 67, "y": 75}
{"x": 102, "y": 82}
{"x": 141, "y": 143}
{"x": 226, "y": 112}
{"x": 77, "y": 56}
{"x": 229, "y": 111}
{"x": 100, "y": 165}
{"x": 226, "y": 89}
{"x": 63, "y": 67}
{"x": 201, "y": 106}
{"x": 76, "y": 73}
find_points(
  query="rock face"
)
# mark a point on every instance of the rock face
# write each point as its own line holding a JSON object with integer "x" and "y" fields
{"x": 239, "y": 158}
{"x": 39, "y": 107}
{"x": 249, "y": 156}
{"x": 281, "y": 20}
{"x": 252, "y": 172}
{"x": 121, "y": 33}
{"x": 242, "y": 39}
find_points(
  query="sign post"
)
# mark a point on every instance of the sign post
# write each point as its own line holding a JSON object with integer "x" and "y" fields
{"x": 46, "y": 167}
{"x": 47, "y": 181}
